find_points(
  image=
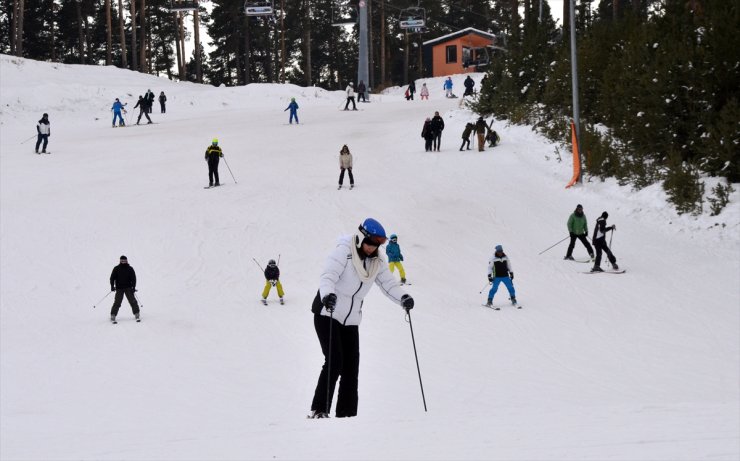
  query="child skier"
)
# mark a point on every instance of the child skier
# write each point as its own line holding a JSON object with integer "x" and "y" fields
{"x": 272, "y": 279}
{"x": 293, "y": 106}
{"x": 447, "y": 86}
{"x": 393, "y": 251}
{"x": 424, "y": 92}
{"x": 469, "y": 127}
{"x": 499, "y": 270}
{"x": 117, "y": 109}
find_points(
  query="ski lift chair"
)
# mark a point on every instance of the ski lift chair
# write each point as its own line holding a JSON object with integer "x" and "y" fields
{"x": 184, "y": 5}
{"x": 258, "y": 8}
{"x": 412, "y": 18}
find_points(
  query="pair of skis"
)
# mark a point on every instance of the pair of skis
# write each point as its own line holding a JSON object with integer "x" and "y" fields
{"x": 264, "y": 302}
{"x": 606, "y": 271}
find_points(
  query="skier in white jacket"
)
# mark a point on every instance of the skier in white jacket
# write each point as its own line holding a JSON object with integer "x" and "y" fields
{"x": 350, "y": 90}
{"x": 348, "y": 275}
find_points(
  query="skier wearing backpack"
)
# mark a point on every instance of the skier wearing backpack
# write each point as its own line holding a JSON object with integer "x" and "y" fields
{"x": 393, "y": 251}
{"x": 123, "y": 282}
{"x": 272, "y": 279}
{"x": 293, "y": 106}
{"x": 351, "y": 269}
{"x": 578, "y": 229}
{"x": 499, "y": 271}
{"x": 43, "y": 131}
{"x": 599, "y": 240}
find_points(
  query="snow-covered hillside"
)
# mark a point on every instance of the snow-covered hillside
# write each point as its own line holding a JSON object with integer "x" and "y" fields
{"x": 639, "y": 366}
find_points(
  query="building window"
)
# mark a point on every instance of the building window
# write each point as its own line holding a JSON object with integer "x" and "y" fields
{"x": 451, "y": 53}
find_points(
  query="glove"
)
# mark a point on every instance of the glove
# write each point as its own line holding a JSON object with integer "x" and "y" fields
{"x": 273, "y": 282}
{"x": 614, "y": 227}
{"x": 511, "y": 275}
{"x": 221, "y": 155}
{"x": 329, "y": 302}
{"x": 112, "y": 288}
{"x": 407, "y": 302}
{"x": 490, "y": 277}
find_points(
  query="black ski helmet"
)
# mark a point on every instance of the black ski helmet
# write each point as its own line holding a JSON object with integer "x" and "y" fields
{"x": 271, "y": 262}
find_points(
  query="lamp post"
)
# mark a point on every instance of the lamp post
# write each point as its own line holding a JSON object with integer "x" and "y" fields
{"x": 574, "y": 78}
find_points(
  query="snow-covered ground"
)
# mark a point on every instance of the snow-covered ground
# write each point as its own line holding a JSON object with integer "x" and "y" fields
{"x": 640, "y": 366}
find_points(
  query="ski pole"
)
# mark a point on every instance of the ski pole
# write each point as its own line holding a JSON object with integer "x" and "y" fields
{"x": 484, "y": 287}
{"x": 610, "y": 247}
{"x": 258, "y": 264}
{"x": 566, "y": 238}
{"x": 137, "y": 299}
{"x": 278, "y": 263}
{"x": 232, "y": 174}
{"x": 408, "y": 315}
{"x": 328, "y": 365}
{"x": 101, "y": 299}
{"x": 28, "y": 139}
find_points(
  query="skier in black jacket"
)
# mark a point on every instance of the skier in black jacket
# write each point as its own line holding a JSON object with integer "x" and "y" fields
{"x": 143, "y": 105}
{"x": 272, "y": 279}
{"x": 123, "y": 282}
{"x": 599, "y": 241}
{"x": 438, "y": 125}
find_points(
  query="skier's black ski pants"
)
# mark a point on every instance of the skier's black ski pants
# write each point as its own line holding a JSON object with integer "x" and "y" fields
{"x": 143, "y": 112}
{"x": 345, "y": 362}
{"x": 129, "y": 292}
{"x": 351, "y": 178}
{"x": 213, "y": 169}
{"x": 601, "y": 245}
{"x": 583, "y": 240}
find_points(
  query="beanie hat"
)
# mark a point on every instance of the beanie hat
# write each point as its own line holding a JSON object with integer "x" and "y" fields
{"x": 123, "y": 258}
{"x": 605, "y": 215}
{"x": 499, "y": 248}
{"x": 579, "y": 206}
{"x": 215, "y": 141}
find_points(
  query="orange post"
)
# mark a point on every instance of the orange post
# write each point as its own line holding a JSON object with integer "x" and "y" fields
{"x": 576, "y": 157}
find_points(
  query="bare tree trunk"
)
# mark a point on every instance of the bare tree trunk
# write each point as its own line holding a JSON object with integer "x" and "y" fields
{"x": 307, "y": 31}
{"x": 406, "y": 57}
{"x": 53, "y": 32}
{"x": 14, "y": 27}
{"x": 382, "y": 43}
{"x": 566, "y": 19}
{"x": 420, "y": 71}
{"x": 198, "y": 56}
{"x": 142, "y": 35}
{"x": 88, "y": 48}
{"x": 181, "y": 31}
{"x": 282, "y": 41}
{"x": 122, "y": 31}
{"x": 108, "y": 36}
{"x": 134, "y": 49}
{"x": 19, "y": 24}
{"x": 615, "y": 10}
{"x": 247, "y": 52}
{"x": 80, "y": 33}
{"x": 178, "y": 48}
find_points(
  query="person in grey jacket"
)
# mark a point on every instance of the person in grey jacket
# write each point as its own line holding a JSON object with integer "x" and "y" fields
{"x": 345, "y": 163}
{"x": 349, "y": 273}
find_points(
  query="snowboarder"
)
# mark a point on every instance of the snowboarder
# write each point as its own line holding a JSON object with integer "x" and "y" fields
{"x": 123, "y": 282}
{"x": 350, "y": 90}
{"x": 578, "y": 229}
{"x": 213, "y": 155}
{"x": 349, "y": 272}
{"x": 447, "y": 86}
{"x": 345, "y": 163}
{"x": 427, "y": 134}
{"x": 162, "y": 101}
{"x": 293, "y": 106}
{"x": 469, "y": 84}
{"x": 599, "y": 241}
{"x": 393, "y": 251}
{"x": 480, "y": 129}
{"x": 361, "y": 89}
{"x": 410, "y": 91}
{"x": 438, "y": 125}
{"x": 117, "y": 109}
{"x": 469, "y": 127}
{"x": 499, "y": 270}
{"x": 424, "y": 93}
{"x": 272, "y": 279}
{"x": 43, "y": 131}
{"x": 142, "y": 104}
{"x": 149, "y": 100}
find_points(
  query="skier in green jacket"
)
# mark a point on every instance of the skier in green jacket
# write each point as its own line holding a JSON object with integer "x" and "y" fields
{"x": 578, "y": 228}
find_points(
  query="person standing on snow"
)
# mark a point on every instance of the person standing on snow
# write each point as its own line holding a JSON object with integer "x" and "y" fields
{"x": 480, "y": 130}
{"x": 469, "y": 84}
{"x": 469, "y": 127}
{"x": 142, "y": 104}
{"x": 272, "y": 279}
{"x": 350, "y": 90}
{"x": 43, "y": 131}
{"x": 349, "y": 272}
{"x": 438, "y": 125}
{"x": 293, "y": 106}
{"x": 345, "y": 163}
{"x": 393, "y": 251}
{"x": 361, "y": 89}
{"x": 447, "y": 86}
{"x": 117, "y": 109}
{"x": 499, "y": 270}
{"x": 410, "y": 91}
{"x": 149, "y": 100}
{"x": 424, "y": 93}
{"x": 578, "y": 229}
{"x": 123, "y": 282}
{"x": 162, "y": 100}
{"x": 213, "y": 155}
{"x": 427, "y": 134}
{"x": 599, "y": 240}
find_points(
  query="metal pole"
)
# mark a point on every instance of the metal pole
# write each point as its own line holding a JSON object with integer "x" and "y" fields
{"x": 408, "y": 314}
{"x": 574, "y": 76}
{"x": 566, "y": 238}
{"x": 362, "y": 63}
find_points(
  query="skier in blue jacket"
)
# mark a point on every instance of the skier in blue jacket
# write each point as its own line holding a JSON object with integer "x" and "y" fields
{"x": 117, "y": 108}
{"x": 393, "y": 251}
{"x": 293, "y": 106}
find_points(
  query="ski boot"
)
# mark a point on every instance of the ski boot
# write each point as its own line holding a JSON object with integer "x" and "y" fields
{"x": 403, "y": 281}
{"x": 113, "y": 318}
{"x": 489, "y": 303}
{"x": 569, "y": 258}
{"x": 264, "y": 301}
{"x": 282, "y": 301}
{"x": 138, "y": 317}
{"x": 597, "y": 269}
{"x": 316, "y": 414}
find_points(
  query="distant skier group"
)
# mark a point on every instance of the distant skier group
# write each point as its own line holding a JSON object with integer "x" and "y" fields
{"x": 144, "y": 103}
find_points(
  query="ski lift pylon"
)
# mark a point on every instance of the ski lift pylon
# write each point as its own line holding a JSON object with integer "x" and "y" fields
{"x": 258, "y": 8}
{"x": 182, "y": 5}
{"x": 414, "y": 17}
